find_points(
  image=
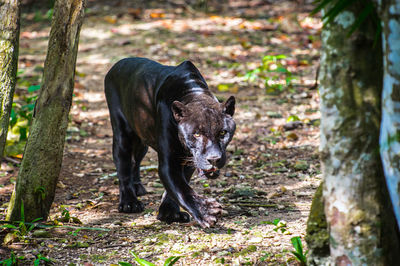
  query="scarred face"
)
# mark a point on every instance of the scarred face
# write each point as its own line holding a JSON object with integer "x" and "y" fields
{"x": 205, "y": 129}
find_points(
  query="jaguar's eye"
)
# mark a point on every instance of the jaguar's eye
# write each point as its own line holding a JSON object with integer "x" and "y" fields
{"x": 196, "y": 135}
{"x": 222, "y": 133}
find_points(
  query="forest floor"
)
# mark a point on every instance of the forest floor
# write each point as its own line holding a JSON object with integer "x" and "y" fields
{"x": 273, "y": 169}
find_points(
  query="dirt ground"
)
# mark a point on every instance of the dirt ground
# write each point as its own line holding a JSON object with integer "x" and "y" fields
{"x": 273, "y": 170}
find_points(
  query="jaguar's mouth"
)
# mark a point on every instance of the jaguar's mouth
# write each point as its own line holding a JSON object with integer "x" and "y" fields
{"x": 211, "y": 173}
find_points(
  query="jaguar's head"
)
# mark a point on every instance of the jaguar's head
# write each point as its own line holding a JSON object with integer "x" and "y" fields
{"x": 205, "y": 128}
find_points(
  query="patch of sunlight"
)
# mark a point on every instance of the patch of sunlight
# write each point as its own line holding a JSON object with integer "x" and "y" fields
{"x": 211, "y": 24}
{"x": 101, "y": 113}
{"x": 95, "y": 33}
{"x": 94, "y": 59}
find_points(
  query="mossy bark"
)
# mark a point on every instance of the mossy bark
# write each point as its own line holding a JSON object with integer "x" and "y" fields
{"x": 9, "y": 39}
{"x": 350, "y": 91}
{"x": 41, "y": 164}
{"x": 317, "y": 236}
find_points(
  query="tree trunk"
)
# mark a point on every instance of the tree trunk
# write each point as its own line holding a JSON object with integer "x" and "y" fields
{"x": 350, "y": 91}
{"x": 41, "y": 164}
{"x": 9, "y": 39}
{"x": 390, "y": 126}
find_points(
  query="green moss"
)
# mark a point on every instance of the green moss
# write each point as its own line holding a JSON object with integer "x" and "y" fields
{"x": 247, "y": 250}
{"x": 317, "y": 237}
{"x": 99, "y": 258}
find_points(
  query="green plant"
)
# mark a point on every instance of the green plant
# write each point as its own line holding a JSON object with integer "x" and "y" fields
{"x": 280, "y": 225}
{"x": 41, "y": 192}
{"x": 21, "y": 231}
{"x": 272, "y": 71}
{"x": 298, "y": 253}
{"x": 66, "y": 216}
{"x": 168, "y": 262}
{"x": 40, "y": 17}
{"x": 20, "y": 119}
{"x": 265, "y": 256}
{"x": 40, "y": 258}
{"x": 12, "y": 260}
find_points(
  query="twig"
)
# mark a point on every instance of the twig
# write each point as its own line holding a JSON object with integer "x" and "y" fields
{"x": 258, "y": 205}
{"x": 11, "y": 160}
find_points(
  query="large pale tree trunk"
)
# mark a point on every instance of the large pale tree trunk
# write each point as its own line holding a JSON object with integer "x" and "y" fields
{"x": 390, "y": 127}
{"x": 9, "y": 39}
{"x": 41, "y": 164}
{"x": 354, "y": 190}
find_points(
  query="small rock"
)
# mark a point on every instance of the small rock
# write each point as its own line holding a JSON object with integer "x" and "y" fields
{"x": 224, "y": 213}
{"x": 281, "y": 170}
{"x": 155, "y": 184}
{"x": 292, "y": 136}
{"x": 253, "y": 213}
{"x": 228, "y": 174}
{"x": 231, "y": 250}
{"x": 271, "y": 114}
{"x": 41, "y": 233}
{"x": 301, "y": 165}
{"x": 118, "y": 222}
{"x": 9, "y": 238}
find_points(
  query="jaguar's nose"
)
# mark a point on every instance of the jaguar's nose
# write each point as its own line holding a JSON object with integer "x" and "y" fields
{"x": 213, "y": 159}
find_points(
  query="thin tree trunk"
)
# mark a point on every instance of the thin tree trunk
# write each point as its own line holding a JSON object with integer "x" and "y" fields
{"x": 390, "y": 126}
{"x": 350, "y": 90}
{"x": 9, "y": 39}
{"x": 41, "y": 164}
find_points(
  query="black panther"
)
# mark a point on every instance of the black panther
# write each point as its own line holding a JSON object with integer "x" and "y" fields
{"x": 172, "y": 110}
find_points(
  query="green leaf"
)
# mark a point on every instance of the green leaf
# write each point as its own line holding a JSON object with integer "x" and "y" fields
{"x": 223, "y": 87}
{"x": 281, "y": 69}
{"x": 322, "y": 4}
{"x": 22, "y": 212}
{"x": 172, "y": 260}
{"x": 33, "y": 88}
{"x": 37, "y": 219}
{"x": 10, "y": 226}
{"x": 140, "y": 261}
{"x": 292, "y": 118}
{"x": 23, "y": 135}
{"x": 336, "y": 9}
{"x": 361, "y": 18}
{"x": 13, "y": 117}
{"x": 123, "y": 263}
{"x": 298, "y": 256}
{"x": 296, "y": 242}
{"x": 28, "y": 107}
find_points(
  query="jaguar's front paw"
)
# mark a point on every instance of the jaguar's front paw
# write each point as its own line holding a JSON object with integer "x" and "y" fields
{"x": 210, "y": 210}
{"x": 129, "y": 207}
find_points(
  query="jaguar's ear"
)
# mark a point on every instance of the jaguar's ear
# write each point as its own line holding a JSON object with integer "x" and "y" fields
{"x": 229, "y": 106}
{"x": 178, "y": 110}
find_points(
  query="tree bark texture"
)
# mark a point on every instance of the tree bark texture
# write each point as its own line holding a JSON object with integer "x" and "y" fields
{"x": 9, "y": 39}
{"x": 317, "y": 236}
{"x": 350, "y": 91}
{"x": 390, "y": 126}
{"x": 41, "y": 164}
